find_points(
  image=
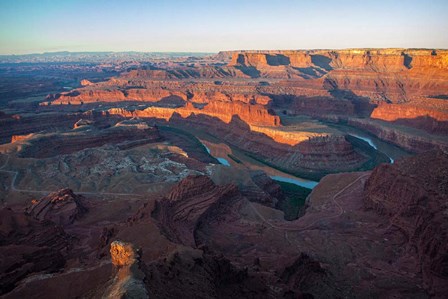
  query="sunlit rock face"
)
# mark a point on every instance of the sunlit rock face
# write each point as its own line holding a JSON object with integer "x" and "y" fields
{"x": 251, "y": 114}
{"x": 431, "y": 118}
{"x": 85, "y": 82}
{"x": 415, "y": 81}
{"x": 128, "y": 279}
{"x": 123, "y": 254}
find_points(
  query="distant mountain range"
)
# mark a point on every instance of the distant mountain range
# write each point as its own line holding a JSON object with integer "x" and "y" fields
{"x": 65, "y": 56}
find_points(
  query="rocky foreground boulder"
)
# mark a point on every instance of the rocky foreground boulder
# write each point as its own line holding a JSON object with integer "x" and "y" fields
{"x": 128, "y": 279}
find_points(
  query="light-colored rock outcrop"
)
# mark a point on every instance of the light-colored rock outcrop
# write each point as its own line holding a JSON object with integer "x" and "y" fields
{"x": 128, "y": 279}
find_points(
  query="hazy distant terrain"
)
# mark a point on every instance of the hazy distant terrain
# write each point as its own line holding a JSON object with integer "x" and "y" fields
{"x": 96, "y": 57}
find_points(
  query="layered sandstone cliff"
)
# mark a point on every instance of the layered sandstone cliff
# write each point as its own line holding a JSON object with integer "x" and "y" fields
{"x": 423, "y": 116}
{"x": 382, "y": 74}
{"x": 415, "y": 141}
{"x": 199, "y": 96}
{"x": 325, "y": 150}
{"x": 251, "y": 114}
{"x": 90, "y": 94}
{"x": 372, "y": 59}
{"x": 188, "y": 203}
{"x": 15, "y": 127}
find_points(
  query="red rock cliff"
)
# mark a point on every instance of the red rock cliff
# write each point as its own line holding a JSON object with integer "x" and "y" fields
{"x": 251, "y": 114}
{"x": 431, "y": 119}
{"x": 393, "y": 74}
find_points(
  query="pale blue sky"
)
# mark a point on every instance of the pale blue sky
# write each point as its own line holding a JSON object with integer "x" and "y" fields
{"x": 30, "y": 26}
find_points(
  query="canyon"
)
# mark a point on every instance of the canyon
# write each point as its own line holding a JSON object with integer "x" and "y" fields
{"x": 241, "y": 174}
{"x": 402, "y": 86}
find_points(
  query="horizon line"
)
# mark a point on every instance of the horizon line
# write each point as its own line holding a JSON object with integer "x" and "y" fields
{"x": 214, "y": 52}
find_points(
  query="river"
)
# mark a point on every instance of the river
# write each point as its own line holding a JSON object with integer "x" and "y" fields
{"x": 390, "y": 150}
{"x": 273, "y": 173}
{"x": 370, "y": 142}
{"x": 223, "y": 161}
{"x": 296, "y": 181}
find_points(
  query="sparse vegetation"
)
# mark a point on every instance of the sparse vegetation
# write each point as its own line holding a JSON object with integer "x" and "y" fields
{"x": 235, "y": 159}
{"x": 295, "y": 197}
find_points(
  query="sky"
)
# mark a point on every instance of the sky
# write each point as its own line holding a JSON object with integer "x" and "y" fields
{"x": 35, "y": 26}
